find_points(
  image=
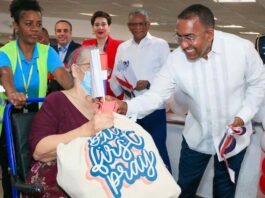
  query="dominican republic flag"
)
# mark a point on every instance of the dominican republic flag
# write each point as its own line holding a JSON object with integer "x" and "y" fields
{"x": 98, "y": 68}
{"x": 125, "y": 78}
{"x": 126, "y": 87}
{"x": 228, "y": 144}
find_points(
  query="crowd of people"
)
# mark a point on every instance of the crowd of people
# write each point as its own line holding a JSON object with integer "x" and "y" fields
{"x": 220, "y": 75}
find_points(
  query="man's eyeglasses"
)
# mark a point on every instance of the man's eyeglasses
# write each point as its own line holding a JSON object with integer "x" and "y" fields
{"x": 142, "y": 24}
{"x": 189, "y": 38}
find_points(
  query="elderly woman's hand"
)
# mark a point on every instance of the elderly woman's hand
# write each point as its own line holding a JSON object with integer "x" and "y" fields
{"x": 102, "y": 121}
{"x": 99, "y": 122}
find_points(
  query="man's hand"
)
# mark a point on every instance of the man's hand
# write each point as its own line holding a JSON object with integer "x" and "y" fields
{"x": 238, "y": 122}
{"x": 122, "y": 106}
{"x": 141, "y": 85}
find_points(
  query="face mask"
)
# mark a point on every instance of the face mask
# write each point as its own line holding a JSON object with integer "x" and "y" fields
{"x": 86, "y": 83}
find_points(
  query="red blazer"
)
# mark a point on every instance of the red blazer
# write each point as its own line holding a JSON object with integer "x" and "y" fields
{"x": 111, "y": 50}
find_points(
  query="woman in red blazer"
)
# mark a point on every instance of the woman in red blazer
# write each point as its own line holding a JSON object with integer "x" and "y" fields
{"x": 101, "y": 22}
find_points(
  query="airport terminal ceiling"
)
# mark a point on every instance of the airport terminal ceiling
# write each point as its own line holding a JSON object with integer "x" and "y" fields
{"x": 246, "y": 18}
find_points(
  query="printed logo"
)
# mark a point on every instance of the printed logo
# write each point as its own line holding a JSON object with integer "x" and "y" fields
{"x": 117, "y": 159}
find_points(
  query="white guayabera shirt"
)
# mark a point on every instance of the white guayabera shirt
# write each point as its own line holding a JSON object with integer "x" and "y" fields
{"x": 146, "y": 59}
{"x": 230, "y": 83}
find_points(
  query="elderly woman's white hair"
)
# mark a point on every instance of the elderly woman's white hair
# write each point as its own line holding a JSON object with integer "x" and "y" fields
{"x": 79, "y": 54}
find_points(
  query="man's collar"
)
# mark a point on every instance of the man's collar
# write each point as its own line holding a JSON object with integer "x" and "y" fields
{"x": 147, "y": 37}
{"x": 34, "y": 55}
{"x": 65, "y": 48}
{"x": 217, "y": 42}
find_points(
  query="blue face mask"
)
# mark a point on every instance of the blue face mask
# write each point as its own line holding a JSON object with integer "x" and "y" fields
{"x": 86, "y": 83}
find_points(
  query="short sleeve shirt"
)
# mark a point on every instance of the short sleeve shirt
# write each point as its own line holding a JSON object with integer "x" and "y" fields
{"x": 53, "y": 62}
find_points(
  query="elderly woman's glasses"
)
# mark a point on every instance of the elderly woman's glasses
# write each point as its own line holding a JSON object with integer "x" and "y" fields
{"x": 84, "y": 65}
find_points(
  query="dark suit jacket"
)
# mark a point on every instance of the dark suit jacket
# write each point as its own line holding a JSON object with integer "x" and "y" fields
{"x": 72, "y": 46}
{"x": 53, "y": 85}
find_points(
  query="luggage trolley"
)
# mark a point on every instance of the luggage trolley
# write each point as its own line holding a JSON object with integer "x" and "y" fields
{"x": 17, "y": 127}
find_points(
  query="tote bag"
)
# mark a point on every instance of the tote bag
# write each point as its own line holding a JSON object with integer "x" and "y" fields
{"x": 121, "y": 161}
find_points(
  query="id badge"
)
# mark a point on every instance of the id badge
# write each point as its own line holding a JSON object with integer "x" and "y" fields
{"x": 25, "y": 110}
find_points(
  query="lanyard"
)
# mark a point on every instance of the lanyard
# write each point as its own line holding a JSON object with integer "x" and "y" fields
{"x": 26, "y": 84}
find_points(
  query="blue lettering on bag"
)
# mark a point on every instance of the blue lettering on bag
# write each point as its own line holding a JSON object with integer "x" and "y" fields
{"x": 120, "y": 156}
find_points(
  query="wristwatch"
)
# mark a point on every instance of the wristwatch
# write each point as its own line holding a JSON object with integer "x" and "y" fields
{"x": 148, "y": 85}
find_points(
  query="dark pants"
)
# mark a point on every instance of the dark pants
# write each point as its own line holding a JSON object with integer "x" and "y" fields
{"x": 155, "y": 124}
{"x": 192, "y": 166}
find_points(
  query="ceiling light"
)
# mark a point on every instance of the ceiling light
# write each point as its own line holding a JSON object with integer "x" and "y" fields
{"x": 255, "y": 33}
{"x": 155, "y": 23}
{"x": 91, "y": 14}
{"x": 86, "y": 14}
{"x": 229, "y": 26}
{"x": 137, "y": 5}
{"x": 234, "y": 1}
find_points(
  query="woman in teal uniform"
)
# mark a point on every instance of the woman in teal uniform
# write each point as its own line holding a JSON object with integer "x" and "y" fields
{"x": 24, "y": 65}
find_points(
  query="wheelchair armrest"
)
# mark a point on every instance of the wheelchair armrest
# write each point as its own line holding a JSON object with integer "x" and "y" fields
{"x": 29, "y": 189}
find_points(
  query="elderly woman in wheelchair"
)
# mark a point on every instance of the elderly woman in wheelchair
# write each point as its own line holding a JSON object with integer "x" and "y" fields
{"x": 64, "y": 116}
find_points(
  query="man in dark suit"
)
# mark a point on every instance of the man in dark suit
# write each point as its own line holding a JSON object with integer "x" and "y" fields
{"x": 64, "y": 47}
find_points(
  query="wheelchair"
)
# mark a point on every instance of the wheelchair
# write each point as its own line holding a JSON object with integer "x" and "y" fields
{"x": 17, "y": 127}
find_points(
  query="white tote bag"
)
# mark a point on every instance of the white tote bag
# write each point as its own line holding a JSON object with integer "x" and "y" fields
{"x": 118, "y": 162}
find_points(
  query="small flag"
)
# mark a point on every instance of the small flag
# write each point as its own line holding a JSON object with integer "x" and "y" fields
{"x": 97, "y": 74}
{"x": 126, "y": 78}
{"x": 228, "y": 144}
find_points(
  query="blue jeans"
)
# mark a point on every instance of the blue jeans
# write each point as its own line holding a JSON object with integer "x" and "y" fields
{"x": 156, "y": 125}
{"x": 192, "y": 166}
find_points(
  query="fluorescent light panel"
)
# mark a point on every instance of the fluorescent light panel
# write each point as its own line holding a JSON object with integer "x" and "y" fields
{"x": 234, "y": 1}
{"x": 137, "y": 5}
{"x": 86, "y": 14}
{"x": 155, "y": 23}
{"x": 229, "y": 26}
{"x": 251, "y": 33}
{"x": 91, "y": 14}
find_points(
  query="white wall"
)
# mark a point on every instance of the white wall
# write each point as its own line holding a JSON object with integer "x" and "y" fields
{"x": 81, "y": 28}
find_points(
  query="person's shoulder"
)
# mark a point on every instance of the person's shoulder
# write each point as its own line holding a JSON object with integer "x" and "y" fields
{"x": 55, "y": 97}
{"x": 114, "y": 41}
{"x": 158, "y": 40}
{"x": 9, "y": 46}
{"x": 54, "y": 46}
{"x": 6, "y": 53}
{"x": 232, "y": 39}
{"x": 158, "y": 43}
{"x": 126, "y": 44}
{"x": 177, "y": 55}
{"x": 89, "y": 42}
{"x": 43, "y": 46}
{"x": 73, "y": 43}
